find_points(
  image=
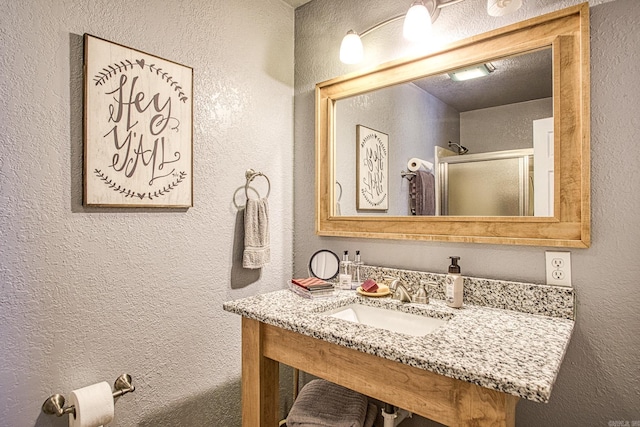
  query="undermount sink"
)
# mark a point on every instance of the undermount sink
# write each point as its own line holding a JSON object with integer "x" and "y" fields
{"x": 391, "y": 320}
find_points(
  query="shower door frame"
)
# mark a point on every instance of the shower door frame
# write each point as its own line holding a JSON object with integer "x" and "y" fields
{"x": 443, "y": 159}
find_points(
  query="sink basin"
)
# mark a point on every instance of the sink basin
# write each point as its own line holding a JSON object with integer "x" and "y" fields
{"x": 391, "y": 320}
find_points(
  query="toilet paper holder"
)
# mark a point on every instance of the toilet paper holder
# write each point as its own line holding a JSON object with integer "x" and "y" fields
{"x": 54, "y": 405}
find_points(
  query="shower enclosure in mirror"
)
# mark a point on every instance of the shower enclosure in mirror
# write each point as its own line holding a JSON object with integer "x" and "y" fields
{"x": 534, "y": 97}
{"x": 487, "y": 184}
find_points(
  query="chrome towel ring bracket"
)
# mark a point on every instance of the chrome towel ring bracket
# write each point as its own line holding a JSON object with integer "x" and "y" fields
{"x": 250, "y": 174}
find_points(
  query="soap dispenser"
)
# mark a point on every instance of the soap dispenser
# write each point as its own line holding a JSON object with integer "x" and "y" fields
{"x": 453, "y": 284}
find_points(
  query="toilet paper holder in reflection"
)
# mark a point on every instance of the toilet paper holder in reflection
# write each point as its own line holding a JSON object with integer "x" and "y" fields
{"x": 54, "y": 405}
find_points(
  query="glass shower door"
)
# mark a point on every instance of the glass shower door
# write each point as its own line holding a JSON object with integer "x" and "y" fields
{"x": 479, "y": 185}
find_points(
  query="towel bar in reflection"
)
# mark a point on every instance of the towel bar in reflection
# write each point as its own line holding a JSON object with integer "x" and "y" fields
{"x": 408, "y": 174}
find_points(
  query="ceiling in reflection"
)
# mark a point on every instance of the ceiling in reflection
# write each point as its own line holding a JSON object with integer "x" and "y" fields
{"x": 516, "y": 79}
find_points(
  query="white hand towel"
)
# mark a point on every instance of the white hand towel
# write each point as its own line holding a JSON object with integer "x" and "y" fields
{"x": 256, "y": 234}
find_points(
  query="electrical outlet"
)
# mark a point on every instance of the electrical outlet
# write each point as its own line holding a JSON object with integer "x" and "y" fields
{"x": 558, "y": 268}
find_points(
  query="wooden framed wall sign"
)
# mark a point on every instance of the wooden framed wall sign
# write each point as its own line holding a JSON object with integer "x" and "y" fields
{"x": 372, "y": 169}
{"x": 138, "y": 128}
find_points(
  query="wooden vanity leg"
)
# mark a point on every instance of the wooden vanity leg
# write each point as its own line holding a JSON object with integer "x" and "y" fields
{"x": 260, "y": 400}
{"x": 479, "y": 406}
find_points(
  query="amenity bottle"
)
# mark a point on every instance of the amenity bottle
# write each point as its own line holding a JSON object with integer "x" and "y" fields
{"x": 344, "y": 279}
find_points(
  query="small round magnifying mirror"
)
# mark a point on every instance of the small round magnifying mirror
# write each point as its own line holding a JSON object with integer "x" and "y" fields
{"x": 324, "y": 265}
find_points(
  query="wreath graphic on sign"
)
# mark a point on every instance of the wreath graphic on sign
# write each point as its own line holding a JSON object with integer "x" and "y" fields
{"x": 120, "y": 67}
{"x": 129, "y": 193}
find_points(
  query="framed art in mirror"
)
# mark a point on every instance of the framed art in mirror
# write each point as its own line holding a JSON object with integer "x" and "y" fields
{"x": 565, "y": 34}
{"x": 372, "y": 169}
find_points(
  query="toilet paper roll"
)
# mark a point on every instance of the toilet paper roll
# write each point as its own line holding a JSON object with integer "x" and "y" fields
{"x": 94, "y": 406}
{"x": 415, "y": 164}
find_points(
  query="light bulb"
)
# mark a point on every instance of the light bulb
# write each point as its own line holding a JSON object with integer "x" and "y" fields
{"x": 417, "y": 22}
{"x": 351, "y": 50}
{"x": 502, "y": 7}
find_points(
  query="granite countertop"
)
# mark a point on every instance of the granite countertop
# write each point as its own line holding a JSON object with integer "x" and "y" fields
{"x": 509, "y": 351}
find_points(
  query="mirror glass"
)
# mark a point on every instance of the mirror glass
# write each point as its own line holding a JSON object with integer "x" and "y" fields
{"x": 494, "y": 117}
{"x": 324, "y": 264}
{"x": 368, "y": 127}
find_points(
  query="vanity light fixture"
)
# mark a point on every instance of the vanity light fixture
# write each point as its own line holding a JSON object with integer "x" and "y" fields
{"x": 472, "y": 72}
{"x": 417, "y": 24}
{"x": 502, "y": 7}
{"x": 351, "y": 50}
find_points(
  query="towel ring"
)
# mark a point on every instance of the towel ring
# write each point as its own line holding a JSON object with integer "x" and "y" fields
{"x": 340, "y": 187}
{"x": 250, "y": 174}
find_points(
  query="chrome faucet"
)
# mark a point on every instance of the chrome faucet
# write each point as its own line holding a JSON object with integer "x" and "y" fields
{"x": 401, "y": 293}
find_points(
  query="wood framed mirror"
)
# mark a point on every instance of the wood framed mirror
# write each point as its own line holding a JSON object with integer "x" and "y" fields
{"x": 565, "y": 34}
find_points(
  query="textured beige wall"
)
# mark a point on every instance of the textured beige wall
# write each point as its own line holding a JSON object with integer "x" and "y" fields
{"x": 86, "y": 294}
{"x": 600, "y": 378}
